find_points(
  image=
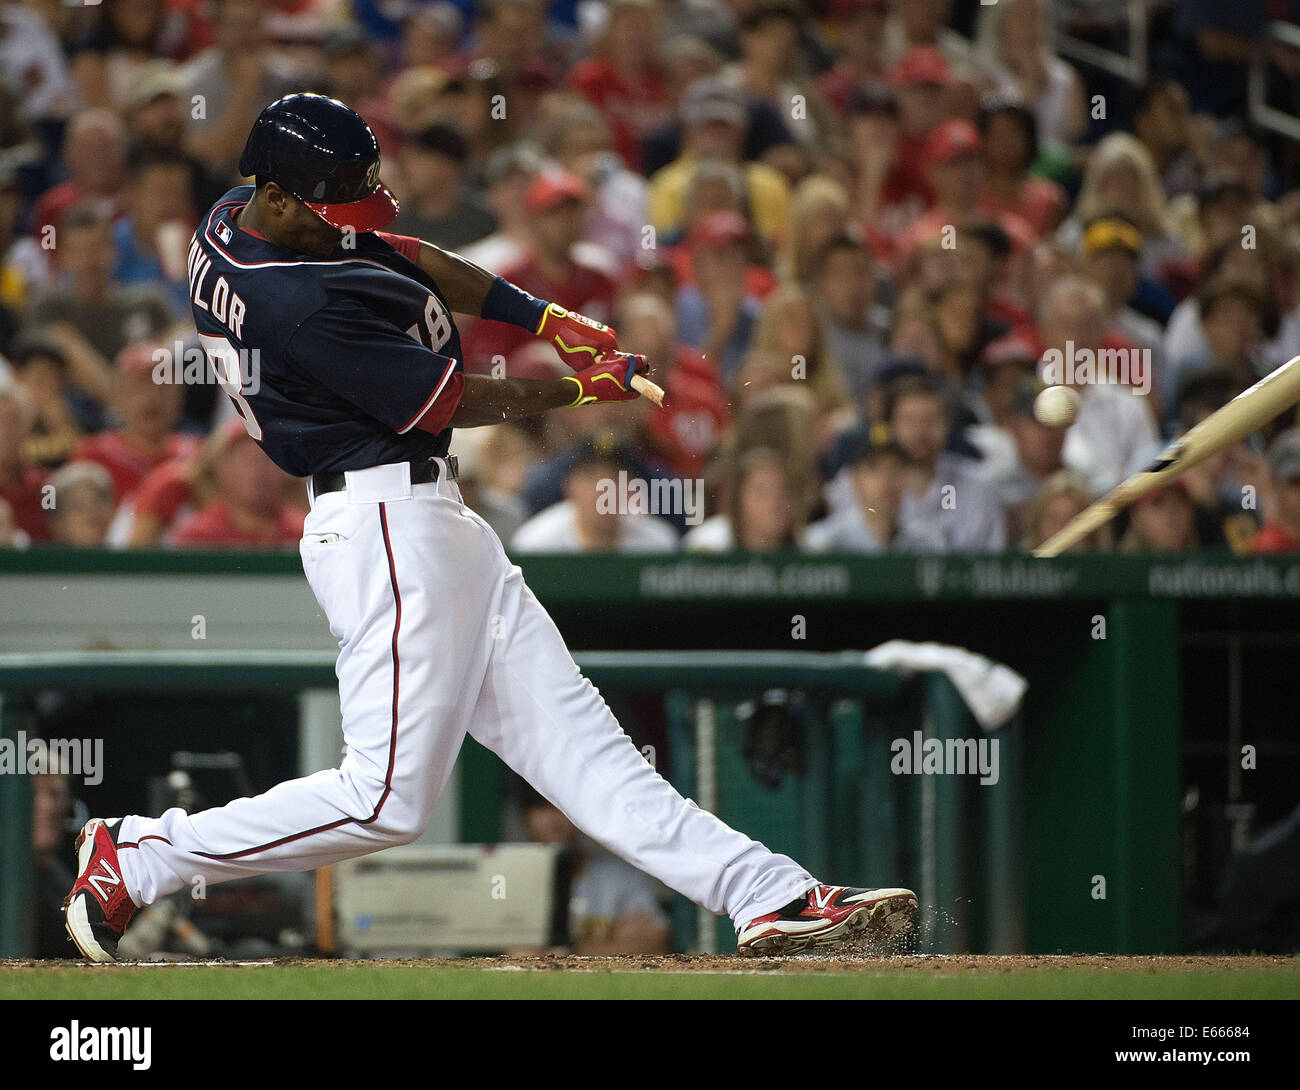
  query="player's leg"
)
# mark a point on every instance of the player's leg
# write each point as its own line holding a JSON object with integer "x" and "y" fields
{"x": 550, "y": 724}
{"x": 396, "y": 580}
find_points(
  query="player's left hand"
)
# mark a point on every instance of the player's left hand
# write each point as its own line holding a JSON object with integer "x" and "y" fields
{"x": 580, "y": 340}
{"x": 608, "y": 380}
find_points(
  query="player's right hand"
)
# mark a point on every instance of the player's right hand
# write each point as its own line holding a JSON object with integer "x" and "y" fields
{"x": 608, "y": 380}
{"x": 580, "y": 341}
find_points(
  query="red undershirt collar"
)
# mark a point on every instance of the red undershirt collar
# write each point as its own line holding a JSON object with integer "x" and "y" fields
{"x": 247, "y": 230}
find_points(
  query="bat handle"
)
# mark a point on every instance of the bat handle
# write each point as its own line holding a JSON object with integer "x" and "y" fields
{"x": 646, "y": 388}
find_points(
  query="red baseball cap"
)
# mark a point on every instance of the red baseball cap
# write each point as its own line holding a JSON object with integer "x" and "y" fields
{"x": 551, "y": 188}
{"x": 951, "y": 140}
{"x": 921, "y": 64}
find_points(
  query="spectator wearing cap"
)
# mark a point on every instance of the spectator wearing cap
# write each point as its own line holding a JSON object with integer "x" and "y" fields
{"x": 1014, "y": 45}
{"x": 1120, "y": 180}
{"x": 625, "y": 78}
{"x": 843, "y": 289}
{"x": 1281, "y": 530}
{"x": 40, "y": 368}
{"x": 247, "y": 509}
{"x": 21, "y": 482}
{"x": 715, "y": 118}
{"x": 897, "y": 167}
{"x": 944, "y": 499}
{"x": 1010, "y": 147}
{"x": 94, "y": 158}
{"x": 553, "y": 267}
{"x": 438, "y": 205}
{"x": 157, "y": 119}
{"x": 152, "y": 238}
{"x": 762, "y": 512}
{"x": 716, "y": 313}
{"x": 1163, "y": 521}
{"x": 83, "y": 505}
{"x": 872, "y": 524}
{"x": 148, "y": 412}
{"x": 593, "y": 516}
{"x": 1111, "y": 248}
{"x": 859, "y": 49}
{"x": 955, "y": 171}
{"x": 578, "y": 137}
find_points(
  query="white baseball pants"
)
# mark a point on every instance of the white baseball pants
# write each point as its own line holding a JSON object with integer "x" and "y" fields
{"x": 439, "y": 637}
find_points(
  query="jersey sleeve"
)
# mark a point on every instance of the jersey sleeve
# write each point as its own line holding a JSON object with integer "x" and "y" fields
{"x": 406, "y": 245}
{"x": 384, "y": 372}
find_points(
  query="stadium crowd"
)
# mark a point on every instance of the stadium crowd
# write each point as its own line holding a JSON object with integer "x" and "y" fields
{"x": 850, "y": 235}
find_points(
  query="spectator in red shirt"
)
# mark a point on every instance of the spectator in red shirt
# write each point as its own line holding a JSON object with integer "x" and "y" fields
{"x": 625, "y": 80}
{"x": 94, "y": 153}
{"x": 247, "y": 509}
{"x": 686, "y": 431}
{"x": 20, "y": 482}
{"x": 956, "y": 175}
{"x": 1281, "y": 530}
{"x": 551, "y": 269}
{"x": 149, "y": 411}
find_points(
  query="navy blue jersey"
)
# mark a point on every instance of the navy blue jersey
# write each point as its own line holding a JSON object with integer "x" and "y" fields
{"x": 338, "y": 363}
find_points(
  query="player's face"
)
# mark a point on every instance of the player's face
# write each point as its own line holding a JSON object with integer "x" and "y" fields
{"x": 301, "y": 229}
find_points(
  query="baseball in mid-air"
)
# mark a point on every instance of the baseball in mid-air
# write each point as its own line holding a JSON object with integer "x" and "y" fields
{"x": 1056, "y": 407}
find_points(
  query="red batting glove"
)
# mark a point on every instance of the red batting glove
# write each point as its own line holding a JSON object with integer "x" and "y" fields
{"x": 579, "y": 340}
{"x": 608, "y": 380}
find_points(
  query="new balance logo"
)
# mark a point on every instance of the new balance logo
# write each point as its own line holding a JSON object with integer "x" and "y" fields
{"x": 822, "y": 901}
{"x": 104, "y": 886}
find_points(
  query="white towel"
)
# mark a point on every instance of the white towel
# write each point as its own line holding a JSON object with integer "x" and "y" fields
{"x": 991, "y": 690}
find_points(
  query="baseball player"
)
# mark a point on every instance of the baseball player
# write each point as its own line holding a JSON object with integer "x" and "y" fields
{"x": 359, "y": 388}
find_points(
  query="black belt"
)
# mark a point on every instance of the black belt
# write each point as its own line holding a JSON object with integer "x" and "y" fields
{"x": 424, "y": 471}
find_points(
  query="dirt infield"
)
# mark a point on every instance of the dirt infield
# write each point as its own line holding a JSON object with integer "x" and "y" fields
{"x": 936, "y": 964}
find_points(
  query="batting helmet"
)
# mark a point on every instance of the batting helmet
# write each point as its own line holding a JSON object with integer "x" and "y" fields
{"x": 325, "y": 155}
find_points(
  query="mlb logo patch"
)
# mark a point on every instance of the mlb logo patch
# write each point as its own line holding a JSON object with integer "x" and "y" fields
{"x": 223, "y": 232}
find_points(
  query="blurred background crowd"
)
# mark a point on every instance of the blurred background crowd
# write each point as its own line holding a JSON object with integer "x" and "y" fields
{"x": 845, "y": 232}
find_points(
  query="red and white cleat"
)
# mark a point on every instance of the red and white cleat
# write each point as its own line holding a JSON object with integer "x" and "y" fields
{"x": 832, "y": 916}
{"x": 98, "y": 908}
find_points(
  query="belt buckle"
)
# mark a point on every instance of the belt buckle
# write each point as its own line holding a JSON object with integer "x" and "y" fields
{"x": 453, "y": 467}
